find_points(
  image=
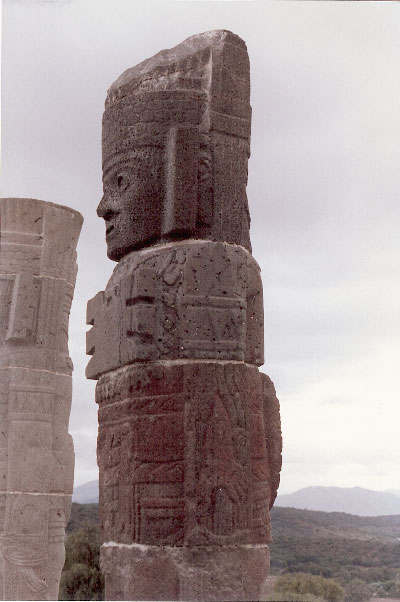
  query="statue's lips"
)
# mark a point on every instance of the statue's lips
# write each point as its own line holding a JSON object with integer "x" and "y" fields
{"x": 109, "y": 229}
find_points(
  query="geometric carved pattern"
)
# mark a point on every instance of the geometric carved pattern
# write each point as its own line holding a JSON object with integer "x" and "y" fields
{"x": 189, "y": 444}
{"x": 182, "y": 454}
{"x": 37, "y": 279}
{"x": 167, "y": 304}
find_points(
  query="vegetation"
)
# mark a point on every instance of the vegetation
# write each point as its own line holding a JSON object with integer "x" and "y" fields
{"x": 315, "y": 556}
{"x": 310, "y": 523}
{"x": 81, "y": 578}
{"x": 293, "y": 597}
{"x": 82, "y": 514}
{"x": 358, "y": 591}
{"x": 362, "y": 554}
{"x": 310, "y": 586}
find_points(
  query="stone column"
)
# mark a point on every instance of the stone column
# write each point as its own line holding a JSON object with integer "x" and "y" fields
{"x": 37, "y": 279}
{"x": 189, "y": 445}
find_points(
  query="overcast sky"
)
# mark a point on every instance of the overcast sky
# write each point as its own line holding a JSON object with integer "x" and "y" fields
{"x": 324, "y": 189}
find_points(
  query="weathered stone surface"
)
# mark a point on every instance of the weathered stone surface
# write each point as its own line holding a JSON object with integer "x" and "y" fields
{"x": 184, "y": 573}
{"x": 197, "y": 300}
{"x": 272, "y": 418}
{"x": 37, "y": 279}
{"x": 182, "y": 454}
{"x": 176, "y": 135}
{"x": 189, "y": 445}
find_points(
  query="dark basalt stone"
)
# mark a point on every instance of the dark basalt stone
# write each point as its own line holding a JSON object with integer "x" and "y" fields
{"x": 176, "y": 135}
{"x": 189, "y": 446}
{"x": 167, "y": 303}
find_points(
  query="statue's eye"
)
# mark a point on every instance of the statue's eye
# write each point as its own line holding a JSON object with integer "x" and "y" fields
{"x": 122, "y": 182}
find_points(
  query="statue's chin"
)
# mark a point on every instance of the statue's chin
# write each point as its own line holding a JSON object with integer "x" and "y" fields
{"x": 115, "y": 244}
{"x": 114, "y": 253}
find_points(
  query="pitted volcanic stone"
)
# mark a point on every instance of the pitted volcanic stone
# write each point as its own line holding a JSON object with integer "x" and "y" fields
{"x": 176, "y": 135}
{"x": 194, "y": 300}
{"x": 183, "y": 454}
{"x": 189, "y": 445}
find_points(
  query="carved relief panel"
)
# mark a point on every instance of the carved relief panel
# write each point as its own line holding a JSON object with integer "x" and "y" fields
{"x": 189, "y": 437}
{"x": 183, "y": 455}
{"x": 37, "y": 278}
{"x": 199, "y": 300}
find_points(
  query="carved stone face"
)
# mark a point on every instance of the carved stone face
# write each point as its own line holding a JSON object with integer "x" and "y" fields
{"x": 132, "y": 203}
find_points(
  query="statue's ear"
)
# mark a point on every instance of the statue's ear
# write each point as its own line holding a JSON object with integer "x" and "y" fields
{"x": 181, "y": 171}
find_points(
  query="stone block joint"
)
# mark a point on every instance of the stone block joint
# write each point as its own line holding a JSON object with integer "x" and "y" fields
{"x": 37, "y": 278}
{"x": 189, "y": 444}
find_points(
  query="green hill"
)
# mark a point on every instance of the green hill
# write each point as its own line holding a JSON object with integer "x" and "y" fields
{"x": 334, "y": 544}
{"x": 331, "y": 544}
{"x": 311, "y": 523}
{"x": 82, "y": 514}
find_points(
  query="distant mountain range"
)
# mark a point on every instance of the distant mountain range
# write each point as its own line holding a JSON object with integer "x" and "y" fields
{"x": 88, "y": 493}
{"x": 353, "y": 500}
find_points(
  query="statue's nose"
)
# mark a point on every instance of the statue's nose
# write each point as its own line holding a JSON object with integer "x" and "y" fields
{"x": 101, "y": 207}
{"x": 104, "y": 208}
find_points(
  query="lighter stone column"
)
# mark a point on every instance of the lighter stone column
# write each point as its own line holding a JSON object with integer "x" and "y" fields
{"x": 189, "y": 445}
{"x": 37, "y": 278}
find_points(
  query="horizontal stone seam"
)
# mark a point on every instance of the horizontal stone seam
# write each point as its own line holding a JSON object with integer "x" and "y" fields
{"x": 186, "y": 242}
{"x": 71, "y": 284}
{"x": 177, "y": 362}
{"x": 144, "y": 547}
{"x": 35, "y": 493}
{"x": 36, "y": 370}
{"x": 182, "y": 361}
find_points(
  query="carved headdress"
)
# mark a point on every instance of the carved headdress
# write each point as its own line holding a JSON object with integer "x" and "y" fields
{"x": 188, "y": 108}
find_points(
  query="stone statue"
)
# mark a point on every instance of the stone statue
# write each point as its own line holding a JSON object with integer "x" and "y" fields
{"x": 189, "y": 445}
{"x": 37, "y": 279}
